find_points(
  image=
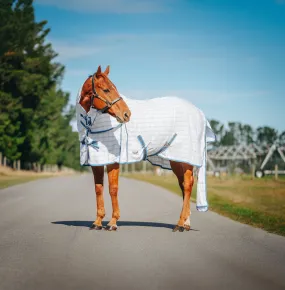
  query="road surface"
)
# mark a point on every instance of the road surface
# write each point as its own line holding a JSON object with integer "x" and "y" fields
{"x": 45, "y": 242}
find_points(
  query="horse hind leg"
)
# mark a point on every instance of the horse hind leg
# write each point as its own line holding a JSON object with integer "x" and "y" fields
{"x": 184, "y": 174}
{"x": 113, "y": 176}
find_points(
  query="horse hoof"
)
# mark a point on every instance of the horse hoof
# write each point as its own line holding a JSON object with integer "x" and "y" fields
{"x": 178, "y": 228}
{"x": 111, "y": 228}
{"x": 95, "y": 227}
{"x": 187, "y": 228}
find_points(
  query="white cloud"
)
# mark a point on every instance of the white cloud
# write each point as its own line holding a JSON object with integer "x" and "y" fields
{"x": 163, "y": 45}
{"x": 68, "y": 50}
{"x": 110, "y": 6}
{"x": 88, "y": 45}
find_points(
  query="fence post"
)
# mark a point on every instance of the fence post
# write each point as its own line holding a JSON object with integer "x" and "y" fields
{"x": 0, "y": 158}
{"x": 276, "y": 171}
{"x": 144, "y": 167}
{"x": 126, "y": 169}
{"x": 19, "y": 164}
{"x": 253, "y": 171}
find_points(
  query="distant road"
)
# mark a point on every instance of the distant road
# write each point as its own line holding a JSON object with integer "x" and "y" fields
{"x": 45, "y": 243}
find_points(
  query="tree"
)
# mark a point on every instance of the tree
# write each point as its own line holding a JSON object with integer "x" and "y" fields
{"x": 282, "y": 138}
{"x": 247, "y": 134}
{"x": 230, "y": 136}
{"x": 218, "y": 129}
{"x": 33, "y": 125}
{"x": 266, "y": 135}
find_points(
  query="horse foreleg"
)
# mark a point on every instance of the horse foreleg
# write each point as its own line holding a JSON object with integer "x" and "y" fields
{"x": 113, "y": 176}
{"x": 184, "y": 173}
{"x": 98, "y": 174}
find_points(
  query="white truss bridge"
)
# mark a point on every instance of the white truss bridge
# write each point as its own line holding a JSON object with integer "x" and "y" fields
{"x": 247, "y": 153}
{"x": 237, "y": 152}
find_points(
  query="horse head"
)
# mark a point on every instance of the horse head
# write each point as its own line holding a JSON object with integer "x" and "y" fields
{"x": 100, "y": 93}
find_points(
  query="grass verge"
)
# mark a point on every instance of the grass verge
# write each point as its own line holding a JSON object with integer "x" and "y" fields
{"x": 10, "y": 177}
{"x": 6, "y": 181}
{"x": 259, "y": 203}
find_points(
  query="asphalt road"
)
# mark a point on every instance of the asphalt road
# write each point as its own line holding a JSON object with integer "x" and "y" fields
{"x": 45, "y": 242}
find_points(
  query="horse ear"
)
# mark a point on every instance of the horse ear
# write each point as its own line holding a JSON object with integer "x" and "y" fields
{"x": 107, "y": 70}
{"x": 98, "y": 71}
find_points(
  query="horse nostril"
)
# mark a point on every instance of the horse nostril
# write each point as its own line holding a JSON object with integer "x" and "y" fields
{"x": 126, "y": 115}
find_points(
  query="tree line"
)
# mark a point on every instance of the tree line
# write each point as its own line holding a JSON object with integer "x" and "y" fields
{"x": 34, "y": 112}
{"x": 236, "y": 133}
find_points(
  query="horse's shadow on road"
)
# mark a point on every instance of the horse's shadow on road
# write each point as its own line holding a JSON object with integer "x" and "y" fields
{"x": 88, "y": 224}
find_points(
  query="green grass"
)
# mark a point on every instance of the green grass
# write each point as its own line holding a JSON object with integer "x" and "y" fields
{"x": 269, "y": 222}
{"x": 259, "y": 202}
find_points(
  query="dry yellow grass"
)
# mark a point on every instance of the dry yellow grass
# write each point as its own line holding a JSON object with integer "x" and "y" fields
{"x": 266, "y": 195}
{"x": 9, "y": 177}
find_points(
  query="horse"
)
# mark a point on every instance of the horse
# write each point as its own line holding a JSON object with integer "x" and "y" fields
{"x": 112, "y": 131}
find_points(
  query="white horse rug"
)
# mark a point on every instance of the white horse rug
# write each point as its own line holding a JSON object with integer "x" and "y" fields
{"x": 160, "y": 129}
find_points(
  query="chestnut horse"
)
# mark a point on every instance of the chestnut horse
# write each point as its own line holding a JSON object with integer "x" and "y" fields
{"x": 100, "y": 93}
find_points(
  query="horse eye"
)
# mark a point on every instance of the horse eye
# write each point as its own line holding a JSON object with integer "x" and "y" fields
{"x": 106, "y": 91}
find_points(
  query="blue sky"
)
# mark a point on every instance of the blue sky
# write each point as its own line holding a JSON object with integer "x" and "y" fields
{"x": 226, "y": 57}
